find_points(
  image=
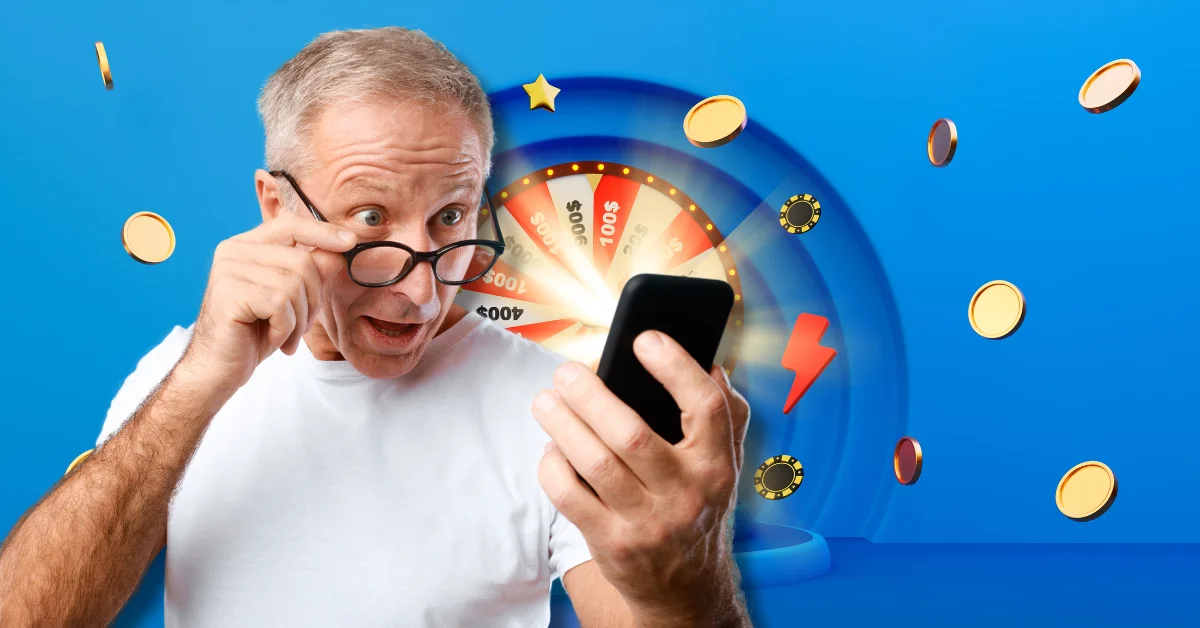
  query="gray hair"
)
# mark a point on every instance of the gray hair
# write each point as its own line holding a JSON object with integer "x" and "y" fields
{"x": 375, "y": 65}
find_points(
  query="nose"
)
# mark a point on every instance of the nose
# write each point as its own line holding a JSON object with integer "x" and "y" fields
{"x": 420, "y": 284}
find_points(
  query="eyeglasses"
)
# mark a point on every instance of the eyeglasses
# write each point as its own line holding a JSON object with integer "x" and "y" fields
{"x": 383, "y": 263}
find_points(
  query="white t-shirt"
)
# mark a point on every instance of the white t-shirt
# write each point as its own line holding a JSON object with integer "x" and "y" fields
{"x": 321, "y": 497}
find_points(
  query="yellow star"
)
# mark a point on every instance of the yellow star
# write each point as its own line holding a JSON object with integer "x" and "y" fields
{"x": 541, "y": 94}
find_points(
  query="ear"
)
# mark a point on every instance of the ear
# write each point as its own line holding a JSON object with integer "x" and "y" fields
{"x": 270, "y": 199}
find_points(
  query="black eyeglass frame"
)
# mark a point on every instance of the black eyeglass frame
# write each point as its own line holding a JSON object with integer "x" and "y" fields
{"x": 415, "y": 257}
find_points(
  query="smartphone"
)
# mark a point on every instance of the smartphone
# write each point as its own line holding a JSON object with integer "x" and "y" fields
{"x": 690, "y": 310}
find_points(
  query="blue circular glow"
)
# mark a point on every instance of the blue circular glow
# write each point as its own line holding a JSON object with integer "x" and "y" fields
{"x": 844, "y": 428}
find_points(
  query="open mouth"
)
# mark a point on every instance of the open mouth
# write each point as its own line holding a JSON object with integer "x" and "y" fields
{"x": 393, "y": 330}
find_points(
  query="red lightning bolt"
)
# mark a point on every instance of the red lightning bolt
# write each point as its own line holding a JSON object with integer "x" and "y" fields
{"x": 805, "y": 355}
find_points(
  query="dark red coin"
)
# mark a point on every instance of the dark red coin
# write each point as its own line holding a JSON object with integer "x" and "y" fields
{"x": 906, "y": 461}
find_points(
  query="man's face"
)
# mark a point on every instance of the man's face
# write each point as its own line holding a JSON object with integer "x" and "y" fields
{"x": 401, "y": 173}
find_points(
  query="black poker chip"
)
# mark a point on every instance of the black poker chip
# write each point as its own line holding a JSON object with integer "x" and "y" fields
{"x": 778, "y": 477}
{"x": 800, "y": 213}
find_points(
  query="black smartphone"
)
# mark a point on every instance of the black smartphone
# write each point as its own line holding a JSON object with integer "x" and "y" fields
{"x": 690, "y": 310}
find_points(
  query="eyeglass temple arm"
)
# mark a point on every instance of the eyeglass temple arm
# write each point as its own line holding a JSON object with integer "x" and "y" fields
{"x": 487, "y": 197}
{"x": 303, "y": 199}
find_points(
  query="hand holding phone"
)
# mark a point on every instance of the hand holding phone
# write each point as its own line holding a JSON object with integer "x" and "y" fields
{"x": 692, "y": 311}
{"x": 644, "y": 503}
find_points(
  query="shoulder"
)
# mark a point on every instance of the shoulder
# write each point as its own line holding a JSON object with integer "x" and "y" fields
{"x": 507, "y": 371}
{"x": 162, "y": 358}
{"x": 146, "y": 376}
{"x": 510, "y": 355}
{"x": 169, "y": 350}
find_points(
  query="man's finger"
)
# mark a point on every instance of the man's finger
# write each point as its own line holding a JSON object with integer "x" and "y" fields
{"x": 706, "y": 423}
{"x": 569, "y": 495}
{"x": 651, "y": 458}
{"x": 739, "y": 411}
{"x": 291, "y": 230}
{"x": 292, "y": 260}
{"x": 601, "y": 467}
{"x": 328, "y": 265}
{"x": 264, "y": 303}
{"x": 286, "y": 282}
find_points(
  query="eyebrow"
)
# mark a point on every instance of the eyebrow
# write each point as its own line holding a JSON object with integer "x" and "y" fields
{"x": 365, "y": 184}
{"x": 459, "y": 187}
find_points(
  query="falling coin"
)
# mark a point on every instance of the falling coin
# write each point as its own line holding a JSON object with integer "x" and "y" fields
{"x": 1109, "y": 86}
{"x": 105, "y": 71}
{"x": 996, "y": 310}
{"x": 148, "y": 238}
{"x": 943, "y": 139}
{"x": 78, "y": 459}
{"x": 1086, "y": 491}
{"x": 715, "y": 121}
{"x": 906, "y": 460}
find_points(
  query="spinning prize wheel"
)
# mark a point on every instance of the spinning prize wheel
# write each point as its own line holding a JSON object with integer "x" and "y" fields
{"x": 574, "y": 234}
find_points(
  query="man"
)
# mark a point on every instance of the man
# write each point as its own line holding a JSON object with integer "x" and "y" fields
{"x": 381, "y": 468}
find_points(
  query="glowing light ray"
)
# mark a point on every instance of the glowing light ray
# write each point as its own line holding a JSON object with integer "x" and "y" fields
{"x": 688, "y": 267}
{"x": 574, "y": 195}
{"x": 761, "y": 225}
{"x": 646, "y": 220}
{"x": 524, "y": 254}
{"x": 711, "y": 267}
{"x": 570, "y": 344}
{"x": 761, "y": 334}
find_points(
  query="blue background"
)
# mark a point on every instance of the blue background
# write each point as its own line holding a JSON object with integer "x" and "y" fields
{"x": 1090, "y": 215}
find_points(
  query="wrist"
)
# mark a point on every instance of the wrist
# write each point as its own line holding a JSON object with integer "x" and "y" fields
{"x": 198, "y": 386}
{"x": 715, "y": 602}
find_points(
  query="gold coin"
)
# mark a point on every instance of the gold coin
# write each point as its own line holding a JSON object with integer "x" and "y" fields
{"x": 1109, "y": 86}
{"x": 148, "y": 238}
{"x": 715, "y": 121}
{"x": 105, "y": 71}
{"x": 943, "y": 139}
{"x": 906, "y": 460}
{"x": 1086, "y": 491}
{"x": 78, "y": 459}
{"x": 996, "y": 310}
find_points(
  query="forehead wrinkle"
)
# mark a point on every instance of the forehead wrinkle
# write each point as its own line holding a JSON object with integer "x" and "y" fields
{"x": 368, "y": 183}
{"x": 365, "y": 183}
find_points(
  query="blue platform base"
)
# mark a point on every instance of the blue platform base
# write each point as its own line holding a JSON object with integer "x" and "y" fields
{"x": 772, "y": 555}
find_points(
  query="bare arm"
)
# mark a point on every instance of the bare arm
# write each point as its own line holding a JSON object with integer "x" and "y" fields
{"x": 77, "y": 556}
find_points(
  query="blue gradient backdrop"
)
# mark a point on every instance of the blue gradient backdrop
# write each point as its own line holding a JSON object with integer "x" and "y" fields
{"x": 1092, "y": 216}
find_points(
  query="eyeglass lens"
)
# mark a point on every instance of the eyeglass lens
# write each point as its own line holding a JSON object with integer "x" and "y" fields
{"x": 383, "y": 264}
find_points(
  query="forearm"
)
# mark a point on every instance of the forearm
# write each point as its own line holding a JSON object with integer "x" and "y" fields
{"x": 76, "y": 557}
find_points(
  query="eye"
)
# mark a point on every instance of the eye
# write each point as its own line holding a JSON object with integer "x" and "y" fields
{"x": 450, "y": 217}
{"x": 369, "y": 217}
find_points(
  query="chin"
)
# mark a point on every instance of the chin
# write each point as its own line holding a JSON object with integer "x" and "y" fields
{"x": 378, "y": 366}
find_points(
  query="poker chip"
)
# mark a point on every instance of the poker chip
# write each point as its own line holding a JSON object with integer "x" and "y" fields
{"x": 800, "y": 213}
{"x": 778, "y": 477}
